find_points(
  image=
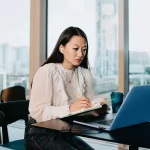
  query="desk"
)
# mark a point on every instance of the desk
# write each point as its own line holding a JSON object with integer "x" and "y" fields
{"x": 134, "y": 136}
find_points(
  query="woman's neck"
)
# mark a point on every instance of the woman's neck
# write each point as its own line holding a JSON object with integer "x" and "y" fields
{"x": 67, "y": 66}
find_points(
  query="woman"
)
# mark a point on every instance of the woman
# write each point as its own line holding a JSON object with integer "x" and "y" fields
{"x": 62, "y": 85}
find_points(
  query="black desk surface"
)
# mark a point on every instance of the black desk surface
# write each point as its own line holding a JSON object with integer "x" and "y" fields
{"x": 136, "y": 136}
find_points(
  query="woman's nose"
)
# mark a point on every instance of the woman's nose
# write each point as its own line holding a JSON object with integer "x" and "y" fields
{"x": 80, "y": 53}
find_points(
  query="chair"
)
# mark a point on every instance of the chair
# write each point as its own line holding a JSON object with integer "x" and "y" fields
{"x": 11, "y": 112}
{"x": 13, "y": 93}
{"x": 2, "y": 121}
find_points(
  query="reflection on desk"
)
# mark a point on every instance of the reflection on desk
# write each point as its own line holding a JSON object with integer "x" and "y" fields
{"x": 54, "y": 124}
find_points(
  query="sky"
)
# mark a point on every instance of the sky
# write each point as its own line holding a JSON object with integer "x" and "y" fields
{"x": 74, "y": 12}
{"x": 15, "y": 21}
{"x": 139, "y": 25}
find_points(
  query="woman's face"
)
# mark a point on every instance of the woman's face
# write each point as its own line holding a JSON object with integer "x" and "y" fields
{"x": 74, "y": 52}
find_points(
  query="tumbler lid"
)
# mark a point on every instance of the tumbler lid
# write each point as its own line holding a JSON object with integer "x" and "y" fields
{"x": 116, "y": 93}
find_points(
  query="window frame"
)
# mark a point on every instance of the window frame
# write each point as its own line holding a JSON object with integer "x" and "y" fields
{"x": 38, "y": 40}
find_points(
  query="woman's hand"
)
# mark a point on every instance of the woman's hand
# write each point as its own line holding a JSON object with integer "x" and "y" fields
{"x": 80, "y": 103}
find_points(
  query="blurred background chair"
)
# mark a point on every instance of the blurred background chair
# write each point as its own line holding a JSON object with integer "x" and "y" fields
{"x": 13, "y": 94}
{"x": 2, "y": 122}
{"x": 9, "y": 113}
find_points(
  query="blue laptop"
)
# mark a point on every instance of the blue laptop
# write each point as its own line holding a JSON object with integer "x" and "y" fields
{"x": 134, "y": 110}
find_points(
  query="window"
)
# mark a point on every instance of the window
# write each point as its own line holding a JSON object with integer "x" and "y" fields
{"x": 139, "y": 48}
{"x": 14, "y": 43}
{"x": 99, "y": 20}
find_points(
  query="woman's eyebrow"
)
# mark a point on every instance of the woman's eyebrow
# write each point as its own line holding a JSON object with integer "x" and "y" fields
{"x": 78, "y": 45}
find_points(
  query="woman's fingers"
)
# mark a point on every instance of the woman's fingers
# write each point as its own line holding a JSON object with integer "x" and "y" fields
{"x": 82, "y": 102}
{"x": 85, "y": 103}
{"x": 84, "y": 106}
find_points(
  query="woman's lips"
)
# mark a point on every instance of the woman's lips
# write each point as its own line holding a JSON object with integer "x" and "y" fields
{"x": 78, "y": 60}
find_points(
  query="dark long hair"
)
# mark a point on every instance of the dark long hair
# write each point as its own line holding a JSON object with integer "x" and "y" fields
{"x": 66, "y": 35}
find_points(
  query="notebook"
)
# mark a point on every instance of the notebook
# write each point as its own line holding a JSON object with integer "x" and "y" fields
{"x": 134, "y": 110}
{"x": 96, "y": 104}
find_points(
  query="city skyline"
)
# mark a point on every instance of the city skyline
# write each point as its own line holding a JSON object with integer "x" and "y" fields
{"x": 15, "y": 32}
{"x": 18, "y": 33}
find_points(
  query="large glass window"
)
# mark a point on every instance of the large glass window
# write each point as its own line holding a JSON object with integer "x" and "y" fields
{"x": 139, "y": 47}
{"x": 99, "y": 20}
{"x": 14, "y": 43}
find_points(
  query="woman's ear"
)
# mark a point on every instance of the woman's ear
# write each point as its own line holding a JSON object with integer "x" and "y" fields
{"x": 61, "y": 49}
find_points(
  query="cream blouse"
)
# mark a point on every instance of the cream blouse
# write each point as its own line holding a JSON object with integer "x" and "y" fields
{"x": 52, "y": 92}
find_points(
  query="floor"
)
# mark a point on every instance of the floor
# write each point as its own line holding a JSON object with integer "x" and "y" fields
{"x": 16, "y": 131}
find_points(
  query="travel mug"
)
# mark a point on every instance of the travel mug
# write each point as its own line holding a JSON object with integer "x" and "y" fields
{"x": 116, "y": 101}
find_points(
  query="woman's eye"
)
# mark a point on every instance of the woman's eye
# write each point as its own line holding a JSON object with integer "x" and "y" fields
{"x": 84, "y": 50}
{"x": 75, "y": 49}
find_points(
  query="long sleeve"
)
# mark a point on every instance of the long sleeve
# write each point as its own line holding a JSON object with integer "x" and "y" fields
{"x": 40, "y": 107}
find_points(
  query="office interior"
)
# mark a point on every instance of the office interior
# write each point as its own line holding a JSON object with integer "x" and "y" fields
{"x": 117, "y": 30}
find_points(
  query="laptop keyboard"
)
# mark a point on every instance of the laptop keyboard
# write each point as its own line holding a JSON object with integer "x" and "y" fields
{"x": 105, "y": 122}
